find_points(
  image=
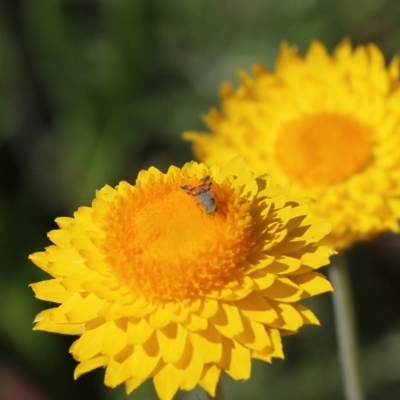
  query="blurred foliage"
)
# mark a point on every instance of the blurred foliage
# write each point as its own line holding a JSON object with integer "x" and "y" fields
{"x": 92, "y": 91}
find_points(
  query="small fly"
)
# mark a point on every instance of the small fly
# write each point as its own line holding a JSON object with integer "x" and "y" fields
{"x": 203, "y": 194}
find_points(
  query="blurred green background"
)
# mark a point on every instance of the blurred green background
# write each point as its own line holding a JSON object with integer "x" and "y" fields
{"x": 93, "y": 91}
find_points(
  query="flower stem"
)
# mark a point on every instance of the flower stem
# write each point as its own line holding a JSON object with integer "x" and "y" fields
{"x": 219, "y": 393}
{"x": 345, "y": 328}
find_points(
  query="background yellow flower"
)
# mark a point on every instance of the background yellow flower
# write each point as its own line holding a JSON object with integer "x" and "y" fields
{"x": 158, "y": 286}
{"x": 330, "y": 124}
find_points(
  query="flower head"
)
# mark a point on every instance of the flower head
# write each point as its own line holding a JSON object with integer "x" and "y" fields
{"x": 329, "y": 124}
{"x": 182, "y": 276}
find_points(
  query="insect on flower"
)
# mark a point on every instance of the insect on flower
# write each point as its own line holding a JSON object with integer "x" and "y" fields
{"x": 203, "y": 194}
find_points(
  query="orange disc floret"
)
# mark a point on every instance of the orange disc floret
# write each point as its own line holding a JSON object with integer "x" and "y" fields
{"x": 307, "y": 149}
{"x": 165, "y": 247}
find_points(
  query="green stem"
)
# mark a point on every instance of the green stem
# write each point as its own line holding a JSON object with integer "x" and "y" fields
{"x": 345, "y": 328}
{"x": 219, "y": 393}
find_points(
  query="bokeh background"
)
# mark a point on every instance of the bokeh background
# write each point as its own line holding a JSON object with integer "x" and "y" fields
{"x": 92, "y": 91}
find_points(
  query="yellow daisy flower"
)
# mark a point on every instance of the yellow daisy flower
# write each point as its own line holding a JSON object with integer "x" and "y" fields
{"x": 329, "y": 124}
{"x": 182, "y": 276}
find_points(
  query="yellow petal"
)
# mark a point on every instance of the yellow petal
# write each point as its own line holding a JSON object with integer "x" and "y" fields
{"x": 172, "y": 340}
{"x": 89, "y": 365}
{"x": 167, "y": 382}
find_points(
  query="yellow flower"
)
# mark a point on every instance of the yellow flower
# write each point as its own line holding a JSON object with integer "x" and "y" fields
{"x": 329, "y": 124}
{"x": 182, "y": 276}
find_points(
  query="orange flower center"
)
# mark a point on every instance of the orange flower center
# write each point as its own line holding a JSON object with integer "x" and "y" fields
{"x": 322, "y": 149}
{"x": 164, "y": 245}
